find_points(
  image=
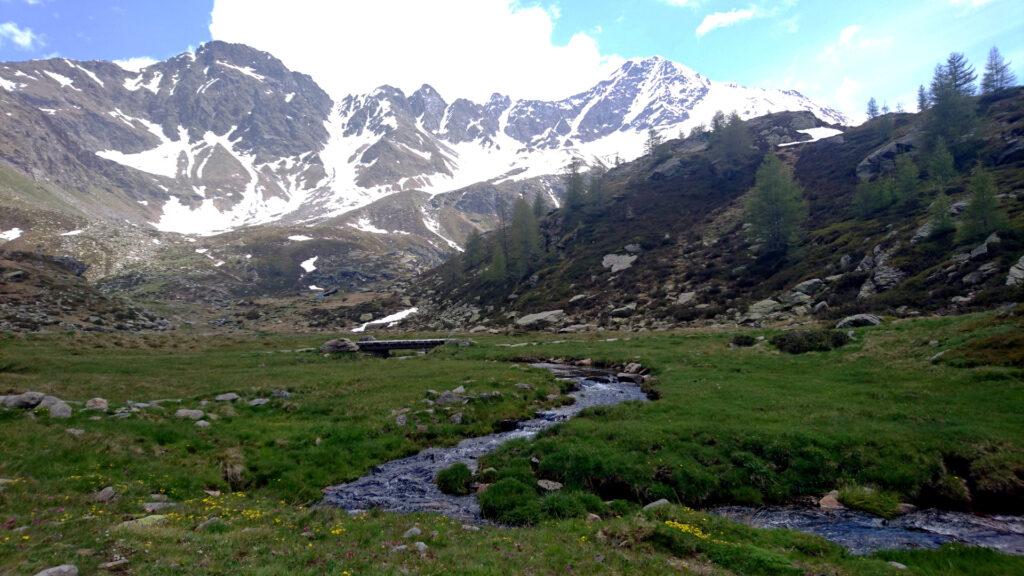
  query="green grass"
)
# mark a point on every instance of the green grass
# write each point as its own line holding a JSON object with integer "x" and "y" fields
{"x": 733, "y": 424}
{"x": 877, "y": 502}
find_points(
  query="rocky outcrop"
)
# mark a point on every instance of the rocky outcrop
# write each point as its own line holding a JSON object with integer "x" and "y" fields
{"x": 883, "y": 160}
{"x": 882, "y": 275}
{"x": 618, "y": 262}
{"x": 541, "y": 319}
{"x": 1015, "y": 277}
{"x": 858, "y": 320}
{"x": 339, "y": 346}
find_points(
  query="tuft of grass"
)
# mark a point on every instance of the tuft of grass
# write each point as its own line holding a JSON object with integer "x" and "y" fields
{"x": 801, "y": 341}
{"x": 866, "y": 499}
{"x": 455, "y": 479}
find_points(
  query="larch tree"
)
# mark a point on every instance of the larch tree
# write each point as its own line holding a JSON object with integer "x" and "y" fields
{"x": 776, "y": 209}
{"x": 872, "y": 108}
{"x": 998, "y": 75}
{"x": 982, "y": 215}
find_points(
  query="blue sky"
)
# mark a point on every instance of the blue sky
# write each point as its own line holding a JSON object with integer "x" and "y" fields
{"x": 838, "y": 52}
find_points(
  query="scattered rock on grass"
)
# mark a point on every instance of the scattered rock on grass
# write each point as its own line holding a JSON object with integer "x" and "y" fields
{"x": 190, "y": 414}
{"x": 62, "y": 570}
{"x": 549, "y": 485}
{"x": 858, "y": 320}
{"x": 226, "y": 397}
{"x": 831, "y": 501}
{"x": 144, "y": 522}
{"x": 99, "y": 404}
{"x": 339, "y": 345}
{"x": 115, "y": 564}
{"x": 202, "y": 424}
{"x": 412, "y": 532}
{"x": 25, "y": 400}
{"x": 105, "y": 495}
{"x": 76, "y": 432}
{"x": 209, "y": 523}
{"x": 657, "y": 504}
{"x": 258, "y": 402}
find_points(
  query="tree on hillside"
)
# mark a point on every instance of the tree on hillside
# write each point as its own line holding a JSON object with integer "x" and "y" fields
{"x": 652, "y": 143}
{"x": 718, "y": 121}
{"x": 922, "y": 98}
{"x": 872, "y": 109}
{"x": 540, "y": 207}
{"x": 698, "y": 130}
{"x": 474, "y": 254}
{"x": 524, "y": 239}
{"x": 998, "y": 75}
{"x": 497, "y": 270}
{"x": 595, "y": 185}
{"x": 906, "y": 183}
{"x": 940, "y": 166}
{"x": 732, "y": 141}
{"x": 982, "y": 215}
{"x": 952, "y": 114}
{"x": 776, "y": 209}
{"x": 941, "y": 220}
{"x": 575, "y": 187}
{"x": 873, "y": 197}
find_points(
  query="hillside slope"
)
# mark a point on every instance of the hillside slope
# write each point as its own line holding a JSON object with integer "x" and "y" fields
{"x": 668, "y": 247}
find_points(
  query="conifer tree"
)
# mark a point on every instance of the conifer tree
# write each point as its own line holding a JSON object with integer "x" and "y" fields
{"x": 524, "y": 239}
{"x": 940, "y": 166}
{"x": 497, "y": 271}
{"x": 776, "y": 209}
{"x": 941, "y": 221}
{"x": 922, "y": 98}
{"x": 906, "y": 182}
{"x": 474, "y": 254}
{"x": 575, "y": 187}
{"x": 952, "y": 115}
{"x": 718, "y": 122}
{"x": 872, "y": 109}
{"x": 873, "y": 197}
{"x": 998, "y": 75}
{"x": 652, "y": 143}
{"x": 540, "y": 207}
{"x": 982, "y": 215}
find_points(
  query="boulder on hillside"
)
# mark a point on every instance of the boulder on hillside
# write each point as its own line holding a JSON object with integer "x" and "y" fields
{"x": 858, "y": 320}
{"x": 810, "y": 287}
{"x": 1015, "y": 277}
{"x": 339, "y": 345}
{"x": 618, "y": 262}
{"x": 546, "y": 318}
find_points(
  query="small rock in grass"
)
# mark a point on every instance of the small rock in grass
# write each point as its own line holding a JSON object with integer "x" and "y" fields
{"x": 116, "y": 564}
{"x": 549, "y": 485}
{"x": 456, "y": 418}
{"x": 226, "y": 397}
{"x": 202, "y": 424}
{"x": 57, "y": 407}
{"x": 25, "y": 400}
{"x": 412, "y": 532}
{"x": 524, "y": 386}
{"x": 470, "y": 528}
{"x": 76, "y": 432}
{"x": 190, "y": 414}
{"x": 905, "y": 508}
{"x": 459, "y": 390}
{"x": 97, "y": 404}
{"x": 400, "y": 548}
{"x": 831, "y": 501}
{"x": 62, "y": 570}
{"x": 144, "y": 522}
{"x": 897, "y": 565}
{"x": 421, "y": 547}
{"x": 657, "y": 504}
{"x": 156, "y": 506}
{"x": 157, "y": 497}
{"x": 591, "y": 517}
{"x": 281, "y": 394}
{"x": 105, "y": 495}
{"x": 259, "y": 402}
{"x": 209, "y": 523}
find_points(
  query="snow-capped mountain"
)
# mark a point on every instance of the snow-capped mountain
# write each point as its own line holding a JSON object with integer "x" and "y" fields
{"x": 228, "y": 137}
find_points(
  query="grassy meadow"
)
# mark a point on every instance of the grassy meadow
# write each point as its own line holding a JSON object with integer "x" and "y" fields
{"x": 744, "y": 425}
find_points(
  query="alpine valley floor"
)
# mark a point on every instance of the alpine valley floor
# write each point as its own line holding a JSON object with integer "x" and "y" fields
{"x": 139, "y": 486}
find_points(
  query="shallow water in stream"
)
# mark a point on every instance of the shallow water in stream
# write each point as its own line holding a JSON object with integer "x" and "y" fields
{"x": 407, "y": 485}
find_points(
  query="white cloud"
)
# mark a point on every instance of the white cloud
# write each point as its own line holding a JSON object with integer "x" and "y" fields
{"x": 137, "y": 63}
{"x": 717, "y": 20}
{"x": 24, "y": 38}
{"x": 851, "y": 40}
{"x": 464, "y": 48}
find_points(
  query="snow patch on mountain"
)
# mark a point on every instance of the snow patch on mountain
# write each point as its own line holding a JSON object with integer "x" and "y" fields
{"x": 12, "y": 234}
